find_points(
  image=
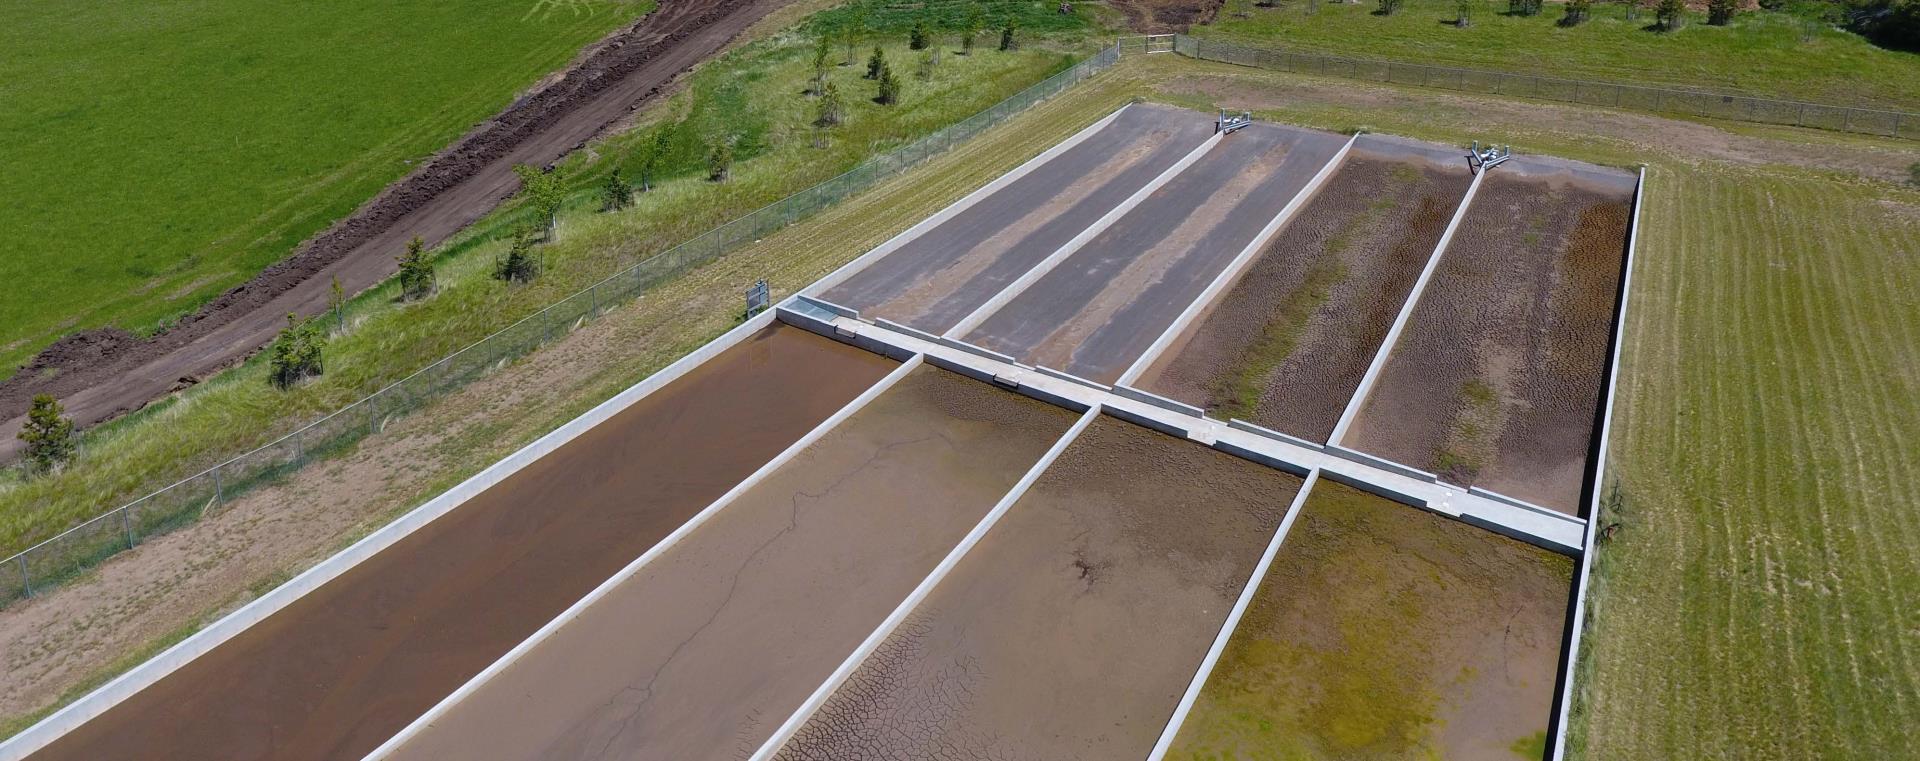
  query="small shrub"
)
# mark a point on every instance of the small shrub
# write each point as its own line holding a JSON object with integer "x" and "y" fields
{"x": 1463, "y": 13}
{"x": 650, "y": 164}
{"x": 1389, "y": 7}
{"x": 616, "y": 194}
{"x": 975, "y": 20}
{"x": 416, "y": 272}
{"x": 48, "y": 434}
{"x": 1913, "y": 174}
{"x": 297, "y": 353}
{"x": 920, "y": 37}
{"x": 518, "y": 265}
{"x": 544, "y": 192}
{"x": 1006, "y": 36}
{"x": 1633, "y": 9}
{"x": 720, "y": 161}
{"x": 1720, "y": 12}
{"x": 1669, "y": 14}
{"x": 928, "y": 62}
{"x": 832, "y": 109}
{"x": 822, "y": 50}
{"x": 1577, "y": 11}
{"x": 875, "y": 63}
{"x": 889, "y": 93}
{"x": 1524, "y": 7}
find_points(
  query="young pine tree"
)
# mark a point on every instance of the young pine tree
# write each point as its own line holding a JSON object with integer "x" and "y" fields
{"x": 1670, "y": 14}
{"x": 48, "y": 435}
{"x": 1390, "y": 7}
{"x": 720, "y": 160}
{"x": 920, "y": 37}
{"x": 1720, "y": 12}
{"x": 1577, "y": 11}
{"x": 416, "y": 273}
{"x": 1006, "y": 36}
{"x": 889, "y": 87}
{"x": 875, "y": 63}
{"x": 518, "y": 265}
{"x": 296, "y": 354}
{"x": 832, "y": 109}
{"x": 616, "y": 194}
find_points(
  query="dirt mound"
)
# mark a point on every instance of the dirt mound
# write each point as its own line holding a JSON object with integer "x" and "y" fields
{"x": 1167, "y": 16}
{"x": 457, "y": 186}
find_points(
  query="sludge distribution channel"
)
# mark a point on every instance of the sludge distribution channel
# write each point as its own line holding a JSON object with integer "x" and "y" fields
{"x": 977, "y": 492}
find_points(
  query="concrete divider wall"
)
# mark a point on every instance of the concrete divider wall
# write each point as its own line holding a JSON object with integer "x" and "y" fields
{"x": 1577, "y": 613}
{"x": 1261, "y": 458}
{"x": 173, "y": 658}
{"x": 574, "y": 611}
{"x": 1242, "y": 425}
{"x": 1383, "y": 464}
{"x": 1070, "y": 377}
{"x": 1158, "y": 401}
{"x": 1148, "y": 422}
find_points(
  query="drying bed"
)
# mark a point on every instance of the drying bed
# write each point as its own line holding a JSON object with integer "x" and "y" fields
{"x": 1072, "y": 629}
{"x": 1496, "y": 380}
{"x": 1103, "y": 306}
{"x": 939, "y": 277}
{"x": 1286, "y": 346}
{"x": 1390, "y": 633}
{"x": 704, "y": 649}
{"x": 340, "y": 670}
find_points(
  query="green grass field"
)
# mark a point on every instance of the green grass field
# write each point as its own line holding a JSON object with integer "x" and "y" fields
{"x": 1762, "y": 53}
{"x": 386, "y": 341}
{"x": 161, "y": 152}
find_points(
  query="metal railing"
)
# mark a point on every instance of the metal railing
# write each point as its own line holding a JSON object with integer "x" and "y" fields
{"x": 1671, "y": 100}
{"x": 73, "y": 551}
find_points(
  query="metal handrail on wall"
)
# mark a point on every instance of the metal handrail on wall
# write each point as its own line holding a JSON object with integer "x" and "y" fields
{"x": 1731, "y": 106}
{"x": 183, "y": 502}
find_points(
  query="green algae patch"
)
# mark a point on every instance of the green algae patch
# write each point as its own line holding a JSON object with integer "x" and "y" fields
{"x": 1386, "y": 632}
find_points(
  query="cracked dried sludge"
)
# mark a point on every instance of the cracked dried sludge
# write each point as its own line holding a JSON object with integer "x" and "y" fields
{"x": 342, "y": 669}
{"x": 704, "y": 651}
{"x": 1383, "y": 633}
{"x": 1073, "y": 628}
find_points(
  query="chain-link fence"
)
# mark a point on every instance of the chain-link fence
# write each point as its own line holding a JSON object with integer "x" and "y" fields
{"x": 82, "y": 546}
{"x": 1698, "y": 103}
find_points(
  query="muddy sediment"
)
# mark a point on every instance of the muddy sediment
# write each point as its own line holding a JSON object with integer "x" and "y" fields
{"x": 705, "y": 650}
{"x": 1285, "y": 347}
{"x": 935, "y": 280}
{"x": 1100, "y": 309}
{"x": 1073, "y": 628}
{"x": 1497, "y": 378}
{"x": 1385, "y": 632}
{"x": 340, "y": 670}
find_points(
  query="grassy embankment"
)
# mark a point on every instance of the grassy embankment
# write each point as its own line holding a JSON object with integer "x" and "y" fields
{"x": 162, "y": 152}
{"x": 752, "y": 96}
{"x": 1758, "y": 599}
{"x": 1767, "y": 54}
{"x": 455, "y": 436}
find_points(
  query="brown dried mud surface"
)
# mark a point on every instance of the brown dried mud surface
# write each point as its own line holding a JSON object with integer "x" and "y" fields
{"x": 711, "y": 645}
{"x": 1287, "y": 345}
{"x": 1072, "y": 629}
{"x": 1167, "y": 16}
{"x": 1385, "y": 632}
{"x": 99, "y": 374}
{"x": 1496, "y": 381}
{"x": 343, "y": 668}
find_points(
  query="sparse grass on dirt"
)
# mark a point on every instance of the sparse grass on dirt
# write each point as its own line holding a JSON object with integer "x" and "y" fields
{"x": 162, "y": 152}
{"x": 51, "y": 640}
{"x": 752, "y": 95}
{"x": 1758, "y": 599}
{"x": 1761, "y": 53}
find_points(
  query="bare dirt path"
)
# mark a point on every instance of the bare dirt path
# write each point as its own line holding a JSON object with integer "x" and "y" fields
{"x": 343, "y": 668}
{"x": 100, "y": 374}
{"x": 1072, "y": 628}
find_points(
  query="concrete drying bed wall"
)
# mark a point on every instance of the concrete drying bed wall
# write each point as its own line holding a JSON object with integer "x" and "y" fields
{"x": 1286, "y": 346}
{"x": 1096, "y": 311}
{"x": 1496, "y": 381}
{"x": 1387, "y": 633}
{"x": 345, "y": 666}
{"x": 1072, "y": 629}
{"x": 943, "y": 274}
{"x": 700, "y": 652}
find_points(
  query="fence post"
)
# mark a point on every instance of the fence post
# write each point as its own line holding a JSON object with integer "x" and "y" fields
{"x": 126, "y": 522}
{"x": 1846, "y": 124}
{"x": 219, "y": 490}
{"x": 1897, "y": 118}
{"x": 1800, "y": 119}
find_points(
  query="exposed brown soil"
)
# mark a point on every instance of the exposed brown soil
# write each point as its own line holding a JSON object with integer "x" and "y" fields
{"x": 343, "y": 668}
{"x": 706, "y": 649}
{"x": 1072, "y": 629}
{"x": 1496, "y": 380}
{"x": 1288, "y": 343}
{"x": 99, "y": 374}
{"x": 1383, "y": 632}
{"x": 1167, "y": 16}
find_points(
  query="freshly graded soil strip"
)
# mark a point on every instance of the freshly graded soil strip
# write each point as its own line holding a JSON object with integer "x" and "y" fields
{"x": 1496, "y": 380}
{"x": 706, "y": 649}
{"x": 345, "y": 667}
{"x": 1103, "y": 306}
{"x": 938, "y": 278}
{"x": 1072, "y": 629}
{"x": 1387, "y": 632}
{"x": 1288, "y": 343}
